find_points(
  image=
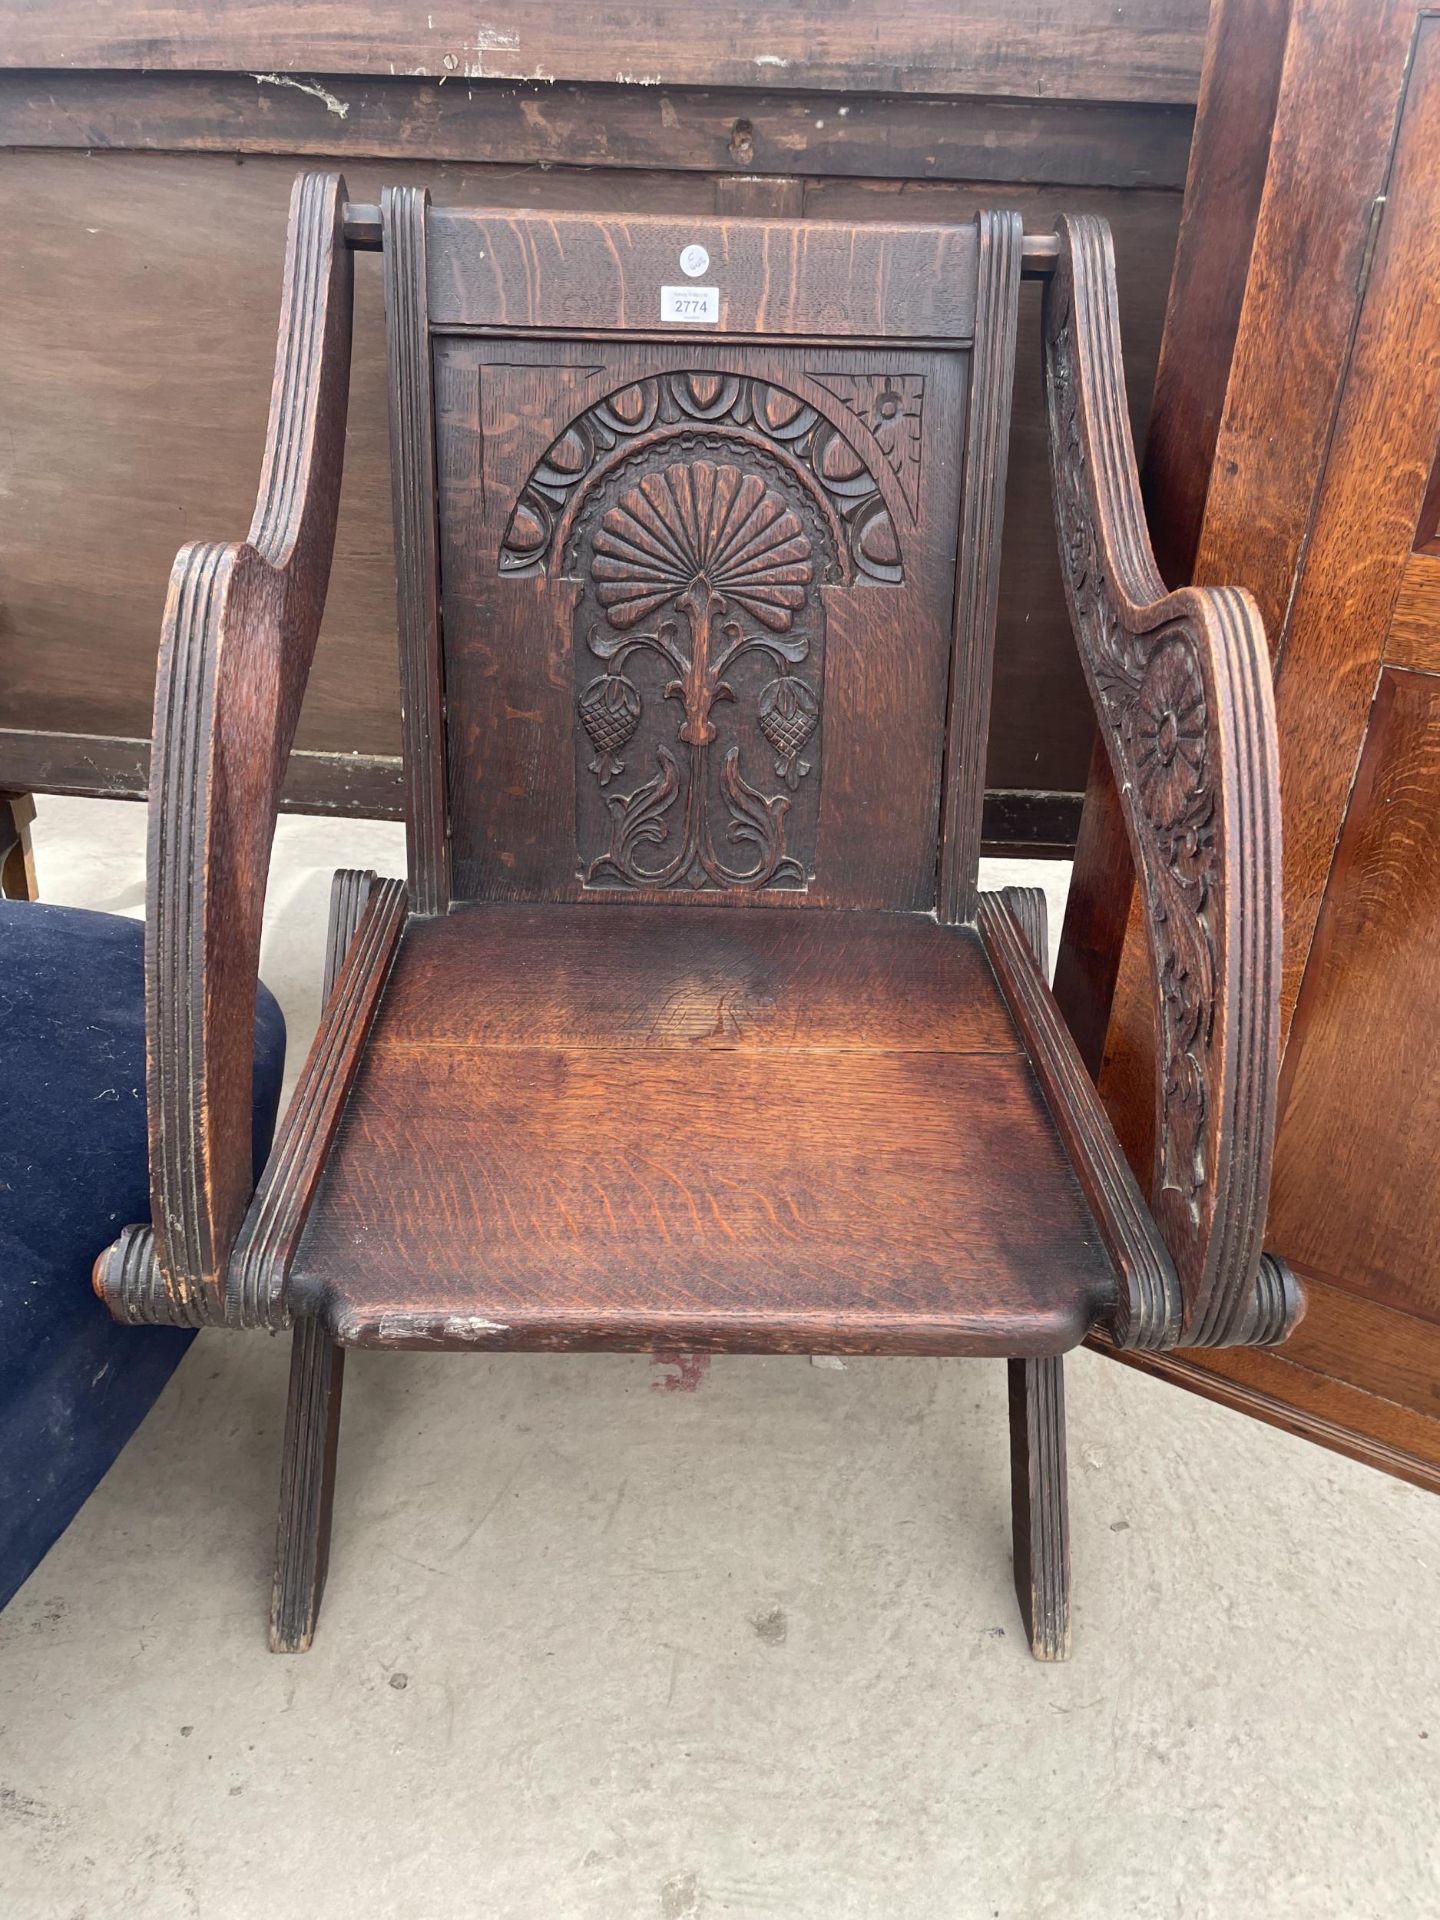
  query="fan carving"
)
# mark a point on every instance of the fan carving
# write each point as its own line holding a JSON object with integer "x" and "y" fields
{"x": 700, "y": 571}
{"x": 733, "y": 415}
{"x": 701, "y": 522}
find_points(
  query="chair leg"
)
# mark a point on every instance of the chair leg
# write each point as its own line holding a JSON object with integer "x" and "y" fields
{"x": 307, "y": 1487}
{"x": 1039, "y": 1504}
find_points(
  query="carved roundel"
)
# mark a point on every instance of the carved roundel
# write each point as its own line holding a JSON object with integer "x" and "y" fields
{"x": 1169, "y": 734}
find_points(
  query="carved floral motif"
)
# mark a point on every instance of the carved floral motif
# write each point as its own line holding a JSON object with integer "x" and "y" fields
{"x": 1151, "y": 697}
{"x": 789, "y": 713}
{"x": 609, "y": 713}
{"x": 696, "y": 513}
{"x": 890, "y": 405}
{"x": 1169, "y": 733}
{"x": 722, "y": 550}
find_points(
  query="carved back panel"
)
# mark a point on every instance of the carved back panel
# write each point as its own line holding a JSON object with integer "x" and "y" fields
{"x": 697, "y": 591}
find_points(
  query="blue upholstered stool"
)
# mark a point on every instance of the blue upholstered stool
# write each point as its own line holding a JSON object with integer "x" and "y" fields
{"x": 73, "y": 1385}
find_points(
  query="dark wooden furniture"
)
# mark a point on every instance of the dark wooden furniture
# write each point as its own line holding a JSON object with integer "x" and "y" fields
{"x": 689, "y": 1026}
{"x": 116, "y": 123}
{"x": 1303, "y": 460}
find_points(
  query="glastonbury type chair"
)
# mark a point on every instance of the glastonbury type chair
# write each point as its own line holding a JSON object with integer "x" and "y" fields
{"x": 689, "y": 1027}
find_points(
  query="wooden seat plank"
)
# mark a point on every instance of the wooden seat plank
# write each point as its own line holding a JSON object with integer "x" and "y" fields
{"x": 641, "y": 976}
{"x": 680, "y": 1133}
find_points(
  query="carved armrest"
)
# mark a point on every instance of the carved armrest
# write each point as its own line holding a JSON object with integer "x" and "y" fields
{"x": 235, "y": 651}
{"x": 1182, "y": 688}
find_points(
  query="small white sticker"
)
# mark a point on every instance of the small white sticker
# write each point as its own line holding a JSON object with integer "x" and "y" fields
{"x": 694, "y": 260}
{"x": 700, "y": 304}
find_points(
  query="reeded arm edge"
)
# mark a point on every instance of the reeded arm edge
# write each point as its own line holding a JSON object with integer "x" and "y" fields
{"x": 1181, "y": 688}
{"x": 238, "y": 638}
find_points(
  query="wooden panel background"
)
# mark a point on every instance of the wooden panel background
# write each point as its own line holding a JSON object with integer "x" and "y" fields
{"x": 1303, "y": 462}
{"x": 1083, "y": 50}
{"x": 1355, "y": 1178}
{"x": 145, "y": 220}
{"x": 515, "y": 663}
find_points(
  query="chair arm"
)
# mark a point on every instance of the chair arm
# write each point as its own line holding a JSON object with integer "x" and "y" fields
{"x": 1182, "y": 689}
{"x": 235, "y": 651}
{"x": 367, "y": 919}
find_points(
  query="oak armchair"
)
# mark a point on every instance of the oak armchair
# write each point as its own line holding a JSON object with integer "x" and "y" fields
{"x": 689, "y": 1026}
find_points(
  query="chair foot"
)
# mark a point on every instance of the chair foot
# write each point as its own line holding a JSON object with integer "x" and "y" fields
{"x": 307, "y": 1487}
{"x": 1039, "y": 1504}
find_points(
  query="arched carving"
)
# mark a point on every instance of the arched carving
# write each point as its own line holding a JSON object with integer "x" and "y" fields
{"x": 704, "y": 410}
{"x": 695, "y": 514}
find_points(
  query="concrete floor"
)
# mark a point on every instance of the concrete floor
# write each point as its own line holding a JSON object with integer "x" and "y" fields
{"x": 606, "y": 1639}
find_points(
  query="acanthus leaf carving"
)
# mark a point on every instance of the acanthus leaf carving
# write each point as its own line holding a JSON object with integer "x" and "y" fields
{"x": 1150, "y": 689}
{"x": 724, "y": 557}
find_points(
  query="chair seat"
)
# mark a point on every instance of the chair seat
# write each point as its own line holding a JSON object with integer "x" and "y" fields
{"x": 749, "y": 1129}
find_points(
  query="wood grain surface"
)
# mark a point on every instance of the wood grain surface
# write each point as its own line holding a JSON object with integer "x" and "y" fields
{"x": 736, "y": 133}
{"x": 1039, "y": 1503}
{"x": 1316, "y": 1406}
{"x": 1365, "y": 515}
{"x": 649, "y": 978}
{"x": 1297, "y": 274}
{"x": 572, "y": 272}
{"x": 1333, "y": 130}
{"x": 1326, "y": 444}
{"x": 1235, "y": 118}
{"x": 977, "y": 574}
{"x": 729, "y": 1170}
{"x": 1181, "y": 684}
{"x": 240, "y": 627}
{"x": 367, "y": 921}
{"x": 1149, "y": 1306}
{"x": 1356, "y": 1197}
{"x": 405, "y": 212}
{"x": 1414, "y": 636}
{"x": 133, "y": 378}
{"x": 1150, "y": 51}
{"x": 527, "y": 436}
{"x": 317, "y": 1379}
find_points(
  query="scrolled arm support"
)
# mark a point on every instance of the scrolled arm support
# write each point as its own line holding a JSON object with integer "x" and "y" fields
{"x": 1181, "y": 687}
{"x": 236, "y": 646}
